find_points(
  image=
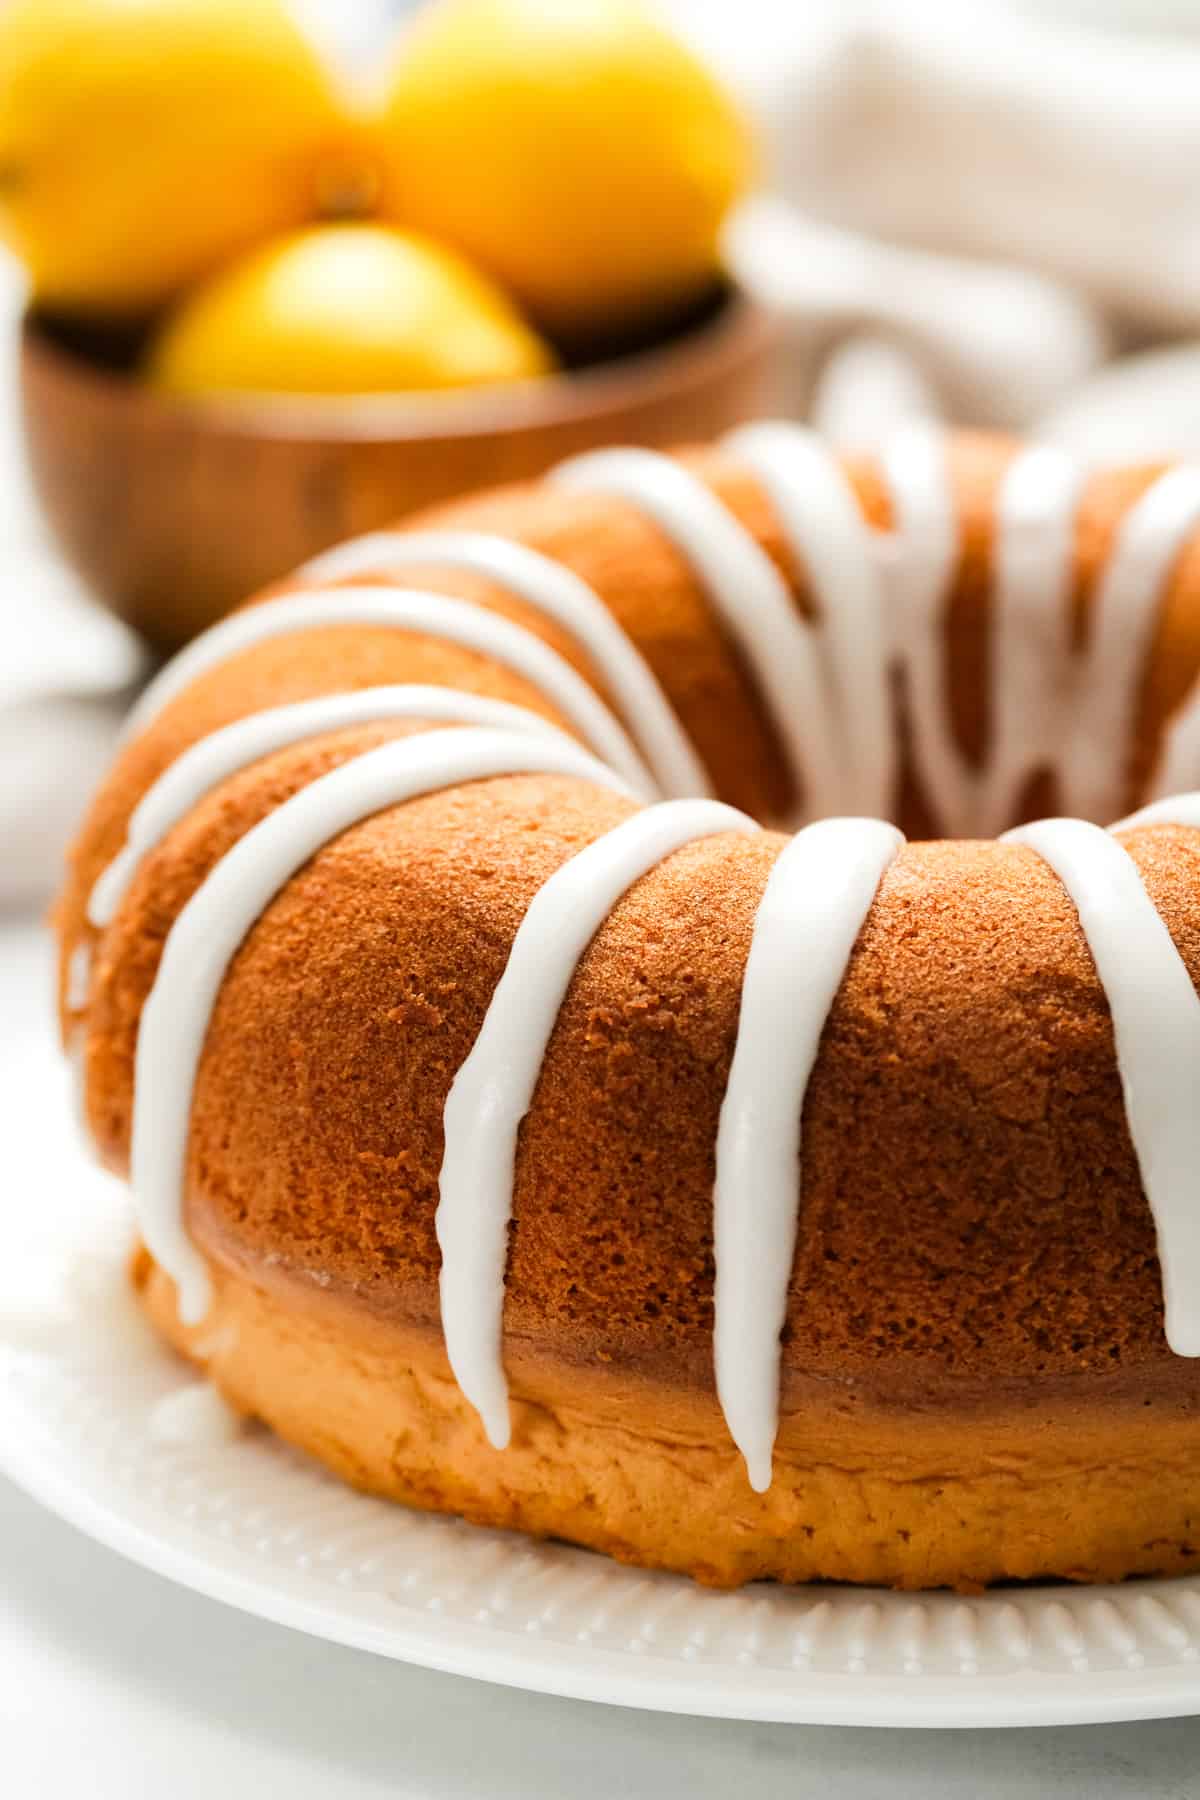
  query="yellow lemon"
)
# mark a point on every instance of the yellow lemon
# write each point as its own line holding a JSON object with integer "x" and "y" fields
{"x": 578, "y": 152}
{"x": 142, "y": 142}
{"x": 345, "y": 309}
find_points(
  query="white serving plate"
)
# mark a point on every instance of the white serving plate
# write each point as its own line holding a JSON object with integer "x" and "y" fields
{"x": 238, "y": 1516}
{"x": 248, "y": 1521}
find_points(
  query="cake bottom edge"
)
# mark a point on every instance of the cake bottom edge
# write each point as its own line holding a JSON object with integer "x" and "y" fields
{"x": 911, "y": 1502}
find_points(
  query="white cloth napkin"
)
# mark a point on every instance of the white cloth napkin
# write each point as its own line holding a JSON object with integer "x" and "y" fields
{"x": 983, "y": 132}
{"x": 991, "y": 197}
{"x": 986, "y": 343}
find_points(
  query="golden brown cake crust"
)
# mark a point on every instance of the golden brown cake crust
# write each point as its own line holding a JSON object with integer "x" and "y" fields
{"x": 975, "y": 1257}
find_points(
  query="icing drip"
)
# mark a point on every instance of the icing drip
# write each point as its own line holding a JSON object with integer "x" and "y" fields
{"x": 1156, "y": 1028}
{"x": 1178, "y": 809}
{"x": 920, "y": 559}
{"x": 494, "y": 1088}
{"x": 208, "y": 931}
{"x": 1179, "y": 761}
{"x": 749, "y": 594}
{"x": 1151, "y": 537}
{"x": 559, "y": 594}
{"x": 213, "y": 759}
{"x": 823, "y": 524}
{"x": 435, "y": 615}
{"x": 1050, "y": 706}
{"x": 1029, "y": 651}
{"x": 811, "y": 913}
{"x": 1029, "y": 659}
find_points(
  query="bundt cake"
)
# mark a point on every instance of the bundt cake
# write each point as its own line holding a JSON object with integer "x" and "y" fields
{"x": 525, "y": 1125}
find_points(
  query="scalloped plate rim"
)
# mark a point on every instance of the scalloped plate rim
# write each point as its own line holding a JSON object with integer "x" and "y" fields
{"x": 59, "y": 1476}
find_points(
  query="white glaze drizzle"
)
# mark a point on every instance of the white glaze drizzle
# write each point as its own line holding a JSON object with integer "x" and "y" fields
{"x": 812, "y": 910}
{"x": 559, "y": 594}
{"x": 823, "y": 524}
{"x": 1051, "y": 707}
{"x": 433, "y": 615}
{"x": 213, "y": 759}
{"x": 920, "y": 557}
{"x": 1149, "y": 541}
{"x": 749, "y": 595}
{"x": 1176, "y": 809}
{"x": 1156, "y": 1027}
{"x": 494, "y": 1088}
{"x": 1029, "y": 662}
{"x": 1179, "y": 757}
{"x": 208, "y": 931}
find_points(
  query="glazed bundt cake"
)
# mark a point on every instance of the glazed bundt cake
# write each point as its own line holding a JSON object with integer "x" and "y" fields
{"x": 519, "y": 1120}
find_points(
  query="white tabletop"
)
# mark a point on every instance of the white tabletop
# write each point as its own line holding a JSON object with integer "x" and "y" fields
{"x": 115, "y": 1684}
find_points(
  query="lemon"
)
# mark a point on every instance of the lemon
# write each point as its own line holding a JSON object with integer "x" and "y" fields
{"x": 577, "y": 152}
{"x": 144, "y": 141}
{"x": 353, "y": 308}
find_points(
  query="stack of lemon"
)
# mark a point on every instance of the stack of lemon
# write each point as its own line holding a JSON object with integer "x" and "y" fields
{"x": 535, "y": 173}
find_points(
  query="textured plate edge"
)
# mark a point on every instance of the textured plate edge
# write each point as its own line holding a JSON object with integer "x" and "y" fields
{"x": 927, "y": 1702}
{"x": 52, "y": 1473}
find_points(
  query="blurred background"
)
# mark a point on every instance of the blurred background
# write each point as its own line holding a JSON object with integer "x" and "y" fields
{"x": 279, "y": 274}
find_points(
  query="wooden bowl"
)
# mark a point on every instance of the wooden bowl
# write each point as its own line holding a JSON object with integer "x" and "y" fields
{"x": 174, "y": 511}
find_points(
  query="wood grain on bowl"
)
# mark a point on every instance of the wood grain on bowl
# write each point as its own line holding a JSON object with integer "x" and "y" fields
{"x": 173, "y": 511}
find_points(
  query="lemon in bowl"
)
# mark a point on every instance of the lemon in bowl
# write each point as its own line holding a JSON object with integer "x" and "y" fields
{"x": 578, "y": 153}
{"x": 344, "y": 309}
{"x": 145, "y": 142}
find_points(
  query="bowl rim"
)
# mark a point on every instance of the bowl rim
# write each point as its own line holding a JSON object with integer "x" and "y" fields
{"x": 740, "y": 327}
